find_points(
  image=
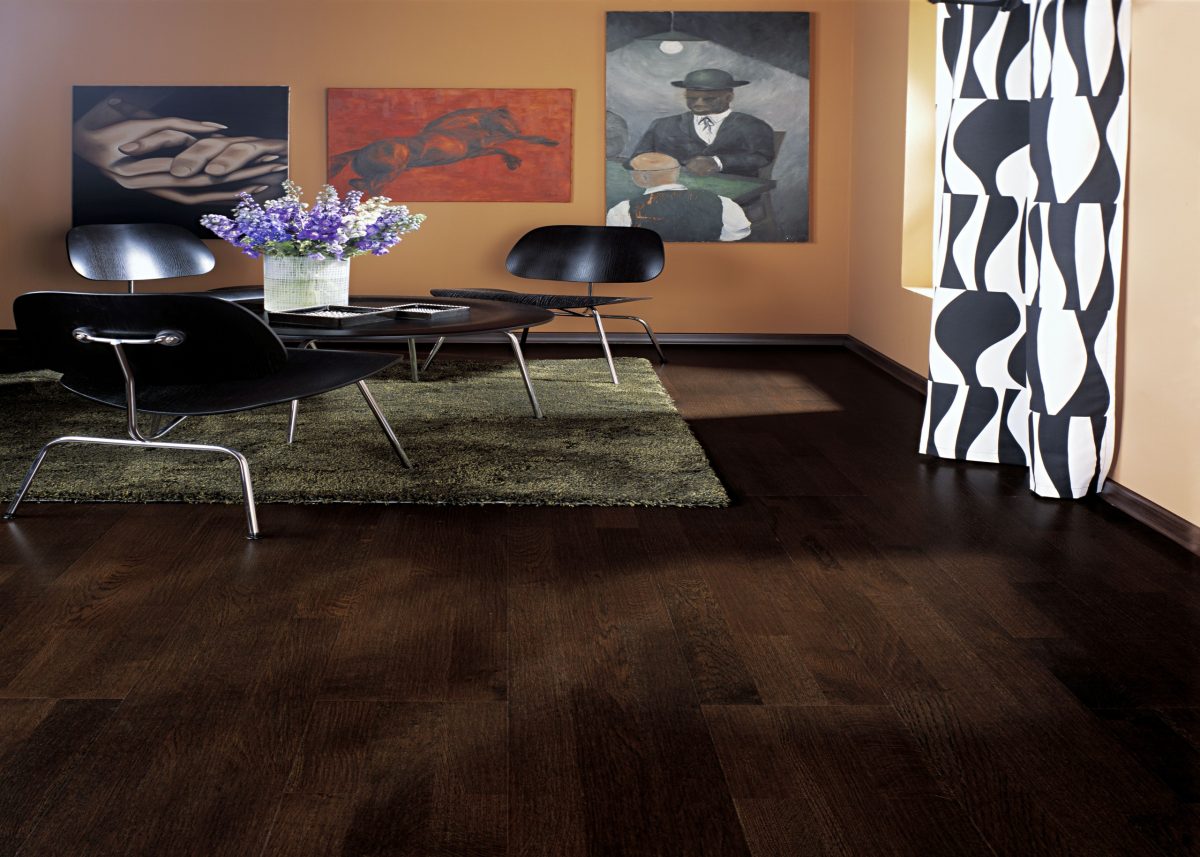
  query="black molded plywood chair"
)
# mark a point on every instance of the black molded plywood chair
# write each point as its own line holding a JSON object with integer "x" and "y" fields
{"x": 144, "y": 251}
{"x": 178, "y": 356}
{"x": 580, "y": 254}
{"x": 137, "y": 251}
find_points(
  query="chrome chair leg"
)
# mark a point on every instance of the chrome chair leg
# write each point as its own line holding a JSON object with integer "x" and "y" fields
{"x": 432, "y": 353}
{"x": 168, "y": 427}
{"x": 516, "y": 347}
{"x": 612, "y": 369}
{"x": 383, "y": 423}
{"x": 412, "y": 360}
{"x": 295, "y": 409}
{"x": 11, "y": 511}
{"x": 247, "y": 490}
{"x": 243, "y": 469}
{"x": 662, "y": 358}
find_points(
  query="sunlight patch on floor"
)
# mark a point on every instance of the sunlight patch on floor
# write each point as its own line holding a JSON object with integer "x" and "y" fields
{"x": 765, "y": 392}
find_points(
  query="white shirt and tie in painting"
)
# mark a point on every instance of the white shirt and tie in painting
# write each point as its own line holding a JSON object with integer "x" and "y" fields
{"x": 707, "y": 127}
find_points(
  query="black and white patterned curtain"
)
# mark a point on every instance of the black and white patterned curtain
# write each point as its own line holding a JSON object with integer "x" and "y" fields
{"x": 1032, "y": 120}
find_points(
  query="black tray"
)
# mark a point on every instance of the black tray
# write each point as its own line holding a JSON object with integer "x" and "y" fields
{"x": 429, "y": 312}
{"x": 330, "y": 315}
{"x": 344, "y": 315}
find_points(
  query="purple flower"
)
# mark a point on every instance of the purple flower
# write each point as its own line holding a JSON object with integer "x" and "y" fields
{"x": 332, "y": 229}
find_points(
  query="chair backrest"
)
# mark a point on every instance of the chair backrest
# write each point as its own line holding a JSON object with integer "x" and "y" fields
{"x": 221, "y": 340}
{"x": 765, "y": 172}
{"x": 588, "y": 254}
{"x": 137, "y": 251}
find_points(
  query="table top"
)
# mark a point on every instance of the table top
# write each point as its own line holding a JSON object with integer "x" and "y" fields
{"x": 484, "y": 316}
{"x": 741, "y": 189}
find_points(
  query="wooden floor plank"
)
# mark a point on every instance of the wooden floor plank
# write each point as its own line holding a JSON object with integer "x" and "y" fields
{"x": 47, "y": 740}
{"x": 854, "y": 774}
{"x": 41, "y": 543}
{"x": 428, "y": 621}
{"x": 774, "y": 612}
{"x": 100, "y": 621}
{"x": 595, "y": 659}
{"x": 719, "y": 671}
{"x": 201, "y": 747}
{"x": 398, "y": 779}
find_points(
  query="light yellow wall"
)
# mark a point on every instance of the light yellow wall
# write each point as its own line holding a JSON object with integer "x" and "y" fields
{"x": 882, "y": 314}
{"x": 916, "y": 255}
{"x": 1158, "y": 453}
{"x": 46, "y": 46}
{"x": 1158, "y": 391}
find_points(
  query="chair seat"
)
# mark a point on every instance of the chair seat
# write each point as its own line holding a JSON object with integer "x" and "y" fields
{"x": 233, "y": 294}
{"x": 307, "y": 373}
{"x": 236, "y": 293}
{"x": 545, "y": 301}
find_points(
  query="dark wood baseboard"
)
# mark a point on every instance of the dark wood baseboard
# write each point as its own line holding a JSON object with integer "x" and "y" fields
{"x": 899, "y": 371}
{"x": 1163, "y": 521}
{"x": 806, "y": 340}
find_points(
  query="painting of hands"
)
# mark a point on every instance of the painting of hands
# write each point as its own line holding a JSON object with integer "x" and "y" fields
{"x": 171, "y": 154}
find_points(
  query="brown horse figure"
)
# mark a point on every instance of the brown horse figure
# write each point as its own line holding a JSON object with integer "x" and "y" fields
{"x": 472, "y": 132}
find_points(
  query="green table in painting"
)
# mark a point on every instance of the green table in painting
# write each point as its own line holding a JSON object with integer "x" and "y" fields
{"x": 741, "y": 189}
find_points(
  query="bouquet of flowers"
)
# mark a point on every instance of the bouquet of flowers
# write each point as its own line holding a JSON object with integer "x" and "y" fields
{"x": 332, "y": 229}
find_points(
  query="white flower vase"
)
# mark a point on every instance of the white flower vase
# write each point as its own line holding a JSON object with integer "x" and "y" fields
{"x": 291, "y": 282}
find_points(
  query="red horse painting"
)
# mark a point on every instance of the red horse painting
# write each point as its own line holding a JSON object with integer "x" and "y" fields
{"x": 473, "y": 132}
{"x": 422, "y": 144}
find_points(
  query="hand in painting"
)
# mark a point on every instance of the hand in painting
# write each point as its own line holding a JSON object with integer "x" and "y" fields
{"x": 702, "y": 165}
{"x": 123, "y": 140}
{"x": 226, "y": 165}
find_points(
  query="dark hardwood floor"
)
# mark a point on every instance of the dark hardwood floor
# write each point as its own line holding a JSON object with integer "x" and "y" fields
{"x": 870, "y": 653}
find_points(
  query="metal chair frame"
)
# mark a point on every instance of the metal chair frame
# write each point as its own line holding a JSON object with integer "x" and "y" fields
{"x": 139, "y": 439}
{"x": 167, "y": 338}
{"x": 581, "y": 254}
{"x": 594, "y": 314}
{"x": 520, "y": 344}
{"x": 294, "y": 413}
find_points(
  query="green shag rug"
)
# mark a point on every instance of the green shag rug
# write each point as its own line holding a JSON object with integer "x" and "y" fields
{"x": 467, "y": 426}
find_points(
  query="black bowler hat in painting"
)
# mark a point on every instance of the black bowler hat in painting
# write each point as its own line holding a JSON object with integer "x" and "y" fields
{"x": 708, "y": 78}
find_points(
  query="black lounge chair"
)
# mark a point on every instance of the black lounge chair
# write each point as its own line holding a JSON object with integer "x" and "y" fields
{"x": 177, "y": 356}
{"x": 580, "y": 254}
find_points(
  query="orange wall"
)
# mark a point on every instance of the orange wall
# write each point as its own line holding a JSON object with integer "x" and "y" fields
{"x": 46, "y": 46}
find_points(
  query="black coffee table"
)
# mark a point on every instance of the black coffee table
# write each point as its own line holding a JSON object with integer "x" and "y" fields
{"x": 484, "y": 317}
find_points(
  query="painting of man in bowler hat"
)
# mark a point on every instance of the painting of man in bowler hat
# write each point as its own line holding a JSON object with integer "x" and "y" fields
{"x": 725, "y": 95}
{"x": 711, "y": 137}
